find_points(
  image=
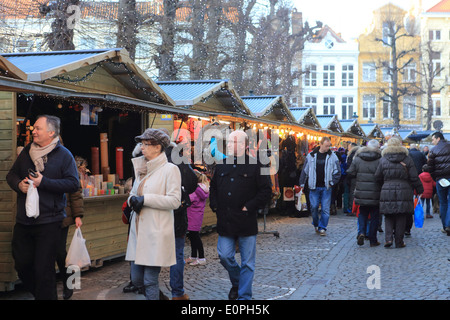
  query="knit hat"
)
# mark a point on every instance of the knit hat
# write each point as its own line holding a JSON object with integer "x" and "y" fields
{"x": 156, "y": 135}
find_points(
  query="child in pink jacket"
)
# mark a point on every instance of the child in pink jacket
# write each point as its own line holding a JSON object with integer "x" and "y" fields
{"x": 195, "y": 220}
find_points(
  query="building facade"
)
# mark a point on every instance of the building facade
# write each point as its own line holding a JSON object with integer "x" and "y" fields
{"x": 435, "y": 34}
{"x": 330, "y": 75}
{"x": 376, "y": 83}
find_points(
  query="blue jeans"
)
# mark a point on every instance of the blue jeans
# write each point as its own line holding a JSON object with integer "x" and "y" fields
{"x": 177, "y": 270}
{"x": 322, "y": 196}
{"x": 369, "y": 224}
{"x": 426, "y": 202}
{"x": 444, "y": 208}
{"x": 240, "y": 276}
{"x": 147, "y": 277}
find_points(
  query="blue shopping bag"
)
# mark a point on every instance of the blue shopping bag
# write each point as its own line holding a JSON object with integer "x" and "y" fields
{"x": 418, "y": 215}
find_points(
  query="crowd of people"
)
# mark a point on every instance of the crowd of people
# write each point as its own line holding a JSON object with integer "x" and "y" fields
{"x": 166, "y": 202}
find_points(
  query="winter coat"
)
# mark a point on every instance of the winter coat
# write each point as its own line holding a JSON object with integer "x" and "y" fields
{"x": 363, "y": 168}
{"x": 152, "y": 238}
{"x": 418, "y": 158}
{"x": 197, "y": 208}
{"x": 60, "y": 176}
{"x": 428, "y": 185}
{"x": 188, "y": 184}
{"x": 332, "y": 170}
{"x": 399, "y": 181}
{"x": 74, "y": 209}
{"x": 236, "y": 184}
{"x": 439, "y": 161}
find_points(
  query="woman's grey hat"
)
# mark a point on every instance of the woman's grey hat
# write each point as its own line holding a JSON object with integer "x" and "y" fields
{"x": 156, "y": 135}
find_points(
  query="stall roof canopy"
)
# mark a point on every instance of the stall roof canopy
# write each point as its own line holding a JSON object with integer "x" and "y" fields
{"x": 352, "y": 126}
{"x": 330, "y": 122}
{"x": 271, "y": 106}
{"x": 78, "y": 66}
{"x": 205, "y": 95}
{"x": 305, "y": 116}
{"x": 372, "y": 130}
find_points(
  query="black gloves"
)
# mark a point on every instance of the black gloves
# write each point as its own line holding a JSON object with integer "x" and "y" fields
{"x": 136, "y": 203}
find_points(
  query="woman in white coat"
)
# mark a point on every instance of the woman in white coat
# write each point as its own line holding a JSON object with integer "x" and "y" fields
{"x": 156, "y": 193}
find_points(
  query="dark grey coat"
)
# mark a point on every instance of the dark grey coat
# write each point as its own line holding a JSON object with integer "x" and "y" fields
{"x": 363, "y": 168}
{"x": 399, "y": 182}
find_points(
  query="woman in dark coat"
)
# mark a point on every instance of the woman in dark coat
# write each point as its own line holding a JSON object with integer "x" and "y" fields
{"x": 399, "y": 176}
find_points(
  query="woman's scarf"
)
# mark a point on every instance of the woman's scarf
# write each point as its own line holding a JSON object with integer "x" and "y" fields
{"x": 39, "y": 154}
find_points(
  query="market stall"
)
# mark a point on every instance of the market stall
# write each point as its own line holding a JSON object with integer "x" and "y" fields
{"x": 353, "y": 131}
{"x": 102, "y": 99}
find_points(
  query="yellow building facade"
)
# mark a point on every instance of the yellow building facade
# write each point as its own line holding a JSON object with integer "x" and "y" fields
{"x": 435, "y": 30}
{"x": 374, "y": 73}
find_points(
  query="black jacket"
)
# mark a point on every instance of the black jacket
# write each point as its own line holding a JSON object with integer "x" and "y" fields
{"x": 233, "y": 186}
{"x": 418, "y": 158}
{"x": 399, "y": 181}
{"x": 439, "y": 161}
{"x": 363, "y": 168}
{"x": 60, "y": 176}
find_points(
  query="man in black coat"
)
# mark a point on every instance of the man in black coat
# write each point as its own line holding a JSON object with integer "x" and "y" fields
{"x": 418, "y": 157}
{"x": 439, "y": 163}
{"x": 238, "y": 190}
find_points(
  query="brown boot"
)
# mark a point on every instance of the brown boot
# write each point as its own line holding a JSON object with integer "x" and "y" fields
{"x": 183, "y": 297}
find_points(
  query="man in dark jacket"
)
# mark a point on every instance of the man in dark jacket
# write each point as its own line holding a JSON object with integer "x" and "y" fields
{"x": 35, "y": 240}
{"x": 238, "y": 190}
{"x": 439, "y": 163}
{"x": 418, "y": 157}
{"x": 367, "y": 190}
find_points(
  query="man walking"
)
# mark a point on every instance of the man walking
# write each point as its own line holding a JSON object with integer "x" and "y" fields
{"x": 35, "y": 240}
{"x": 367, "y": 190}
{"x": 322, "y": 170}
{"x": 237, "y": 191}
{"x": 439, "y": 163}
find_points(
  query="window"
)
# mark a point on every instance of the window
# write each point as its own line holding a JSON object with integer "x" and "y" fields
{"x": 434, "y": 35}
{"x": 311, "y": 102}
{"x": 369, "y": 106}
{"x": 409, "y": 73}
{"x": 436, "y": 60}
{"x": 347, "y": 107}
{"x": 387, "y": 74}
{"x": 369, "y": 72}
{"x": 294, "y": 102}
{"x": 311, "y": 76}
{"x": 329, "y": 105}
{"x": 387, "y": 38}
{"x": 409, "y": 107}
{"x": 328, "y": 75}
{"x": 387, "y": 110}
{"x": 437, "y": 107}
{"x": 347, "y": 75}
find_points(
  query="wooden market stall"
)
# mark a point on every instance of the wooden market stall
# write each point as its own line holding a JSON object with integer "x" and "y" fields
{"x": 353, "y": 131}
{"x": 102, "y": 98}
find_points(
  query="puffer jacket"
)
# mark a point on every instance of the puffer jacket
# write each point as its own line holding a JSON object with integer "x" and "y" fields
{"x": 399, "y": 181}
{"x": 428, "y": 185}
{"x": 439, "y": 161}
{"x": 363, "y": 168}
{"x": 332, "y": 170}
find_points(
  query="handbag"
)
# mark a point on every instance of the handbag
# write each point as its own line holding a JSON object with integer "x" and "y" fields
{"x": 418, "y": 215}
{"x": 32, "y": 201}
{"x": 78, "y": 254}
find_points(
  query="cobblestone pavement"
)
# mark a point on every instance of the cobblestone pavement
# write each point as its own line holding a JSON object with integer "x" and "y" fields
{"x": 301, "y": 265}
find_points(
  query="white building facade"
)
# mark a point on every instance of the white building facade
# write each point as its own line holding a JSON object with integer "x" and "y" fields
{"x": 330, "y": 78}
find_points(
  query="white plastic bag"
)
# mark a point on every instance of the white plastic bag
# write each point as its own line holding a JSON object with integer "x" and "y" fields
{"x": 78, "y": 254}
{"x": 32, "y": 201}
{"x": 300, "y": 199}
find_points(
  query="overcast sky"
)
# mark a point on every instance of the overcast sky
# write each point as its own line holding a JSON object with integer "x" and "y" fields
{"x": 349, "y": 17}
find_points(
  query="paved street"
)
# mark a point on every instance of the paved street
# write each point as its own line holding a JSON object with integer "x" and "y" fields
{"x": 302, "y": 265}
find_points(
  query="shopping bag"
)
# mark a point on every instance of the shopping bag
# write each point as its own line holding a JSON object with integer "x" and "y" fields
{"x": 78, "y": 254}
{"x": 355, "y": 208}
{"x": 32, "y": 201}
{"x": 288, "y": 194}
{"x": 418, "y": 215}
{"x": 300, "y": 199}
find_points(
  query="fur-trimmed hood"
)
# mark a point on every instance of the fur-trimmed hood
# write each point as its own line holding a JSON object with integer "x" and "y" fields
{"x": 395, "y": 153}
{"x": 368, "y": 154}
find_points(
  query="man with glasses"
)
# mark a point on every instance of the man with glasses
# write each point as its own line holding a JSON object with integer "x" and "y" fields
{"x": 439, "y": 163}
{"x": 238, "y": 190}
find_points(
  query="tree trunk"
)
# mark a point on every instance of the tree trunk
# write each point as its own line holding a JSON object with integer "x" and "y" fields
{"x": 127, "y": 27}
